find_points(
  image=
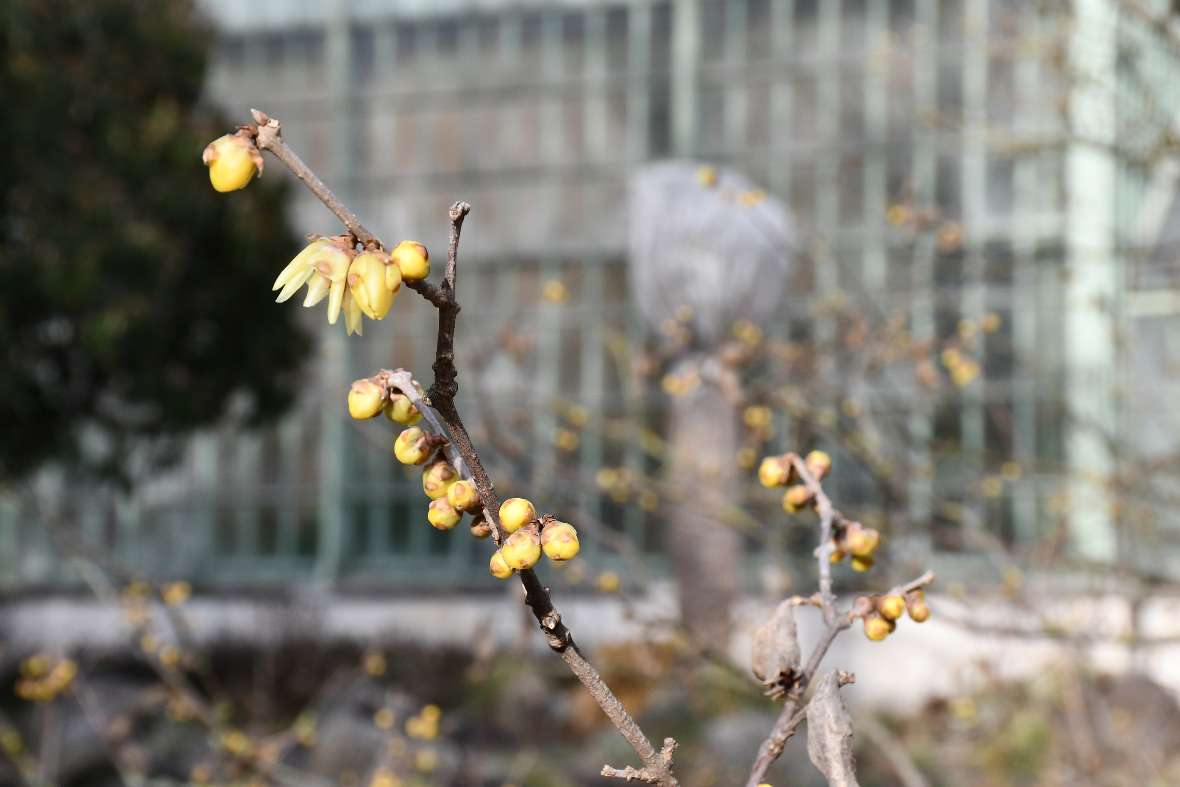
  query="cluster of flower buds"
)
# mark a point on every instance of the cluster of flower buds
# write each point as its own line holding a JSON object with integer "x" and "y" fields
{"x": 450, "y": 496}
{"x": 424, "y": 724}
{"x": 881, "y": 613}
{"x": 858, "y": 542}
{"x": 43, "y": 679}
{"x": 775, "y": 471}
{"x": 367, "y": 398}
{"x": 529, "y": 537}
{"x": 360, "y": 284}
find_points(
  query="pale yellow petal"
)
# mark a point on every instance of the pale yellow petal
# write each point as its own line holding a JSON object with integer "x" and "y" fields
{"x": 352, "y": 315}
{"x": 303, "y": 259}
{"x": 333, "y": 262}
{"x": 393, "y": 278}
{"x": 335, "y": 300}
{"x": 317, "y": 290}
{"x": 292, "y": 286}
{"x": 287, "y": 272}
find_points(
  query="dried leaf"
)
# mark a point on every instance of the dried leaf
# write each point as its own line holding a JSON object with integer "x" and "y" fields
{"x": 829, "y": 733}
{"x": 775, "y": 657}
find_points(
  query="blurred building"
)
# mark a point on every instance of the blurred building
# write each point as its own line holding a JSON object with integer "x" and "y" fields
{"x": 1024, "y": 136}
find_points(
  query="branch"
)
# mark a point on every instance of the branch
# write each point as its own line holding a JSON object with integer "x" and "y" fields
{"x": 1159, "y": 24}
{"x": 645, "y": 774}
{"x": 827, "y": 516}
{"x": 557, "y": 634}
{"x": 401, "y": 380}
{"x": 439, "y": 410}
{"x": 786, "y": 724}
{"x": 269, "y": 137}
{"x": 445, "y": 386}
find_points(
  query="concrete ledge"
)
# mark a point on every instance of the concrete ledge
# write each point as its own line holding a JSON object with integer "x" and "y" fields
{"x": 919, "y": 662}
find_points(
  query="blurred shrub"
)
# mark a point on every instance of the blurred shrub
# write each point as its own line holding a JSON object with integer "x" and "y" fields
{"x": 130, "y": 301}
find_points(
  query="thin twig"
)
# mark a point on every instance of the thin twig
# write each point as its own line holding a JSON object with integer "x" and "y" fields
{"x": 649, "y": 775}
{"x": 403, "y": 381}
{"x": 784, "y": 725}
{"x": 827, "y": 516}
{"x": 445, "y": 385}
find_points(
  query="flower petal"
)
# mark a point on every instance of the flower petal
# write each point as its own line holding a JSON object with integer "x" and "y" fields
{"x": 292, "y": 286}
{"x": 302, "y": 259}
{"x": 317, "y": 290}
{"x": 352, "y": 315}
{"x": 335, "y": 300}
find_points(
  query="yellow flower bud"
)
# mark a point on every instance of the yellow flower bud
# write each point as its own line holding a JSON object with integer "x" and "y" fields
{"x": 795, "y": 498}
{"x": 608, "y": 582}
{"x": 836, "y": 555}
{"x": 861, "y": 541}
{"x": 774, "y": 471}
{"x": 915, "y": 602}
{"x": 499, "y": 566}
{"x": 233, "y": 160}
{"x": 374, "y": 663}
{"x": 401, "y": 410}
{"x": 426, "y": 760}
{"x": 877, "y": 628}
{"x": 412, "y": 447}
{"x": 819, "y": 463}
{"x": 559, "y": 540}
{"x": 393, "y": 278}
{"x": 522, "y": 549}
{"x": 384, "y": 777}
{"x": 442, "y": 515}
{"x": 515, "y": 513}
{"x": 412, "y": 259}
{"x": 169, "y": 655}
{"x": 861, "y": 564}
{"x": 463, "y": 496}
{"x": 481, "y": 528}
{"x": 437, "y": 478}
{"x": 891, "y": 606}
{"x": 365, "y": 399}
{"x": 371, "y": 286}
{"x": 352, "y": 315}
{"x": 176, "y": 593}
{"x": 35, "y": 666}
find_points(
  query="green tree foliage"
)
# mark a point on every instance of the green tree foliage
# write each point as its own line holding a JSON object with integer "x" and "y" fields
{"x": 132, "y": 298}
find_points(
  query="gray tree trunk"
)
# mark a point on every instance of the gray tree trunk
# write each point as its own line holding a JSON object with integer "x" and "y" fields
{"x": 706, "y": 552}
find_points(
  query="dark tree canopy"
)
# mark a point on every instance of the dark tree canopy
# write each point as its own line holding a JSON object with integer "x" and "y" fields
{"x": 135, "y": 303}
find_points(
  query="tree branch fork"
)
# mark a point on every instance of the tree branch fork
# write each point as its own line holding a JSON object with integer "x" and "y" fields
{"x": 794, "y": 708}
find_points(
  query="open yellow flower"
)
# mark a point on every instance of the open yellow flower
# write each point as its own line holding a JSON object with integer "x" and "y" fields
{"x": 323, "y": 267}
